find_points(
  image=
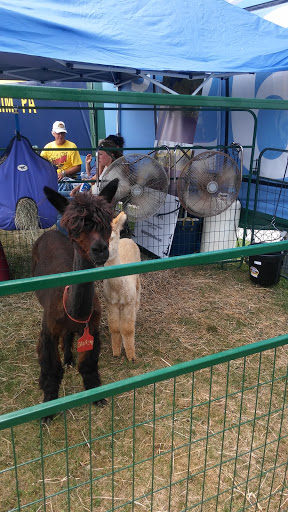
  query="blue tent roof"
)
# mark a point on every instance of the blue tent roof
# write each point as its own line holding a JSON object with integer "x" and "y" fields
{"x": 108, "y": 40}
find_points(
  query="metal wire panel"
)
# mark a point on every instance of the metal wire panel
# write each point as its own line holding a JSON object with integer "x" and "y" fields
{"x": 206, "y": 435}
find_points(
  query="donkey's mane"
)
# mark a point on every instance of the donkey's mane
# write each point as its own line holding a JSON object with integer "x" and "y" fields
{"x": 85, "y": 210}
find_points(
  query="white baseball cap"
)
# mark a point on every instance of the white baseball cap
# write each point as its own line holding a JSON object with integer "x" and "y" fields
{"x": 59, "y": 127}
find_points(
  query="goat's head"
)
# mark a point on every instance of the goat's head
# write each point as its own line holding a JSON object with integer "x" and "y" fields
{"x": 87, "y": 219}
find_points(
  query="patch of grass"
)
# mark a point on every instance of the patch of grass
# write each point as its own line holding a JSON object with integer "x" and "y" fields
{"x": 213, "y": 329}
{"x": 189, "y": 322}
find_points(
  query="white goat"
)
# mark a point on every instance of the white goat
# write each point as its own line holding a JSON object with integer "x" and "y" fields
{"x": 122, "y": 294}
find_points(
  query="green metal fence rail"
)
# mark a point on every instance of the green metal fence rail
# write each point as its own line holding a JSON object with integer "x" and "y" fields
{"x": 133, "y": 98}
{"x": 82, "y": 276}
{"x": 213, "y": 437}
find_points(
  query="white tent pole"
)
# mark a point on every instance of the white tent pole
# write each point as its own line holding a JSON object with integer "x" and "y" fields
{"x": 210, "y": 77}
{"x": 157, "y": 83}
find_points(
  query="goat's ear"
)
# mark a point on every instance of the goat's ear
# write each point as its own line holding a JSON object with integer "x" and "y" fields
{"x": 57, "y": 200}
{"x": 119, "y": 221}
{"x": 109, "y": 190}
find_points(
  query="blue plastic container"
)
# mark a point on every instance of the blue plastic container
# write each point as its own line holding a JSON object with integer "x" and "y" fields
{"x": 187, "y": 236}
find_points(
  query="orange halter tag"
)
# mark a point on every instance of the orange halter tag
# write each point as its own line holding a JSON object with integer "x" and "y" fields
{"x": 86, "y": 341}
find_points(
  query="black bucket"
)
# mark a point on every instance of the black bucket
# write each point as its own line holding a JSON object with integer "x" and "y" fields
{"x": 265, "y": 269}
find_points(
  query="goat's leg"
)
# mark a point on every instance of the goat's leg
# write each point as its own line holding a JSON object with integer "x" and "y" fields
{"x": 88, "y": 366}
{"x": 67, "y": 345}
{"x": 113, "y": 313}
{"x": 51, "y": 371}
{"x": 127, "y": 329}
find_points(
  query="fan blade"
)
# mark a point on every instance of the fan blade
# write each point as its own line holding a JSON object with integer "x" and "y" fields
{"x": 195, "y": 175}
{"x": 229, "y": 179}
{"x": 149, "y": 203}
{"x": 124, "y": 185}
{"x": 150, "y": 172}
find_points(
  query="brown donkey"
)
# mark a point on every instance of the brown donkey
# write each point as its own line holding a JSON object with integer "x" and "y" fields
{"x": 76, "y": 308}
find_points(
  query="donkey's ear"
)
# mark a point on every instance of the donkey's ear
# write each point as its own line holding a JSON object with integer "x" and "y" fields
{"x": 119, "y": 221}
{"x": 57, "y": 200}
{"x": 109, "y": 190}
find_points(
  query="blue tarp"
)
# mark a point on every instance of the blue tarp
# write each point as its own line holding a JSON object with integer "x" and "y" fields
{"x": 48, "y": 38}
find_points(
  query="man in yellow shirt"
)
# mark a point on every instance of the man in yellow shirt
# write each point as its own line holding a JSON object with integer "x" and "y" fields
{"x": 59, "y": 153}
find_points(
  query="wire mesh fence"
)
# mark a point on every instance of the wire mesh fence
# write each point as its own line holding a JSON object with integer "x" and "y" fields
{"x": 210, "y": 434}
{"x": 170, "y": 231}
{"x": 15, "y": 254}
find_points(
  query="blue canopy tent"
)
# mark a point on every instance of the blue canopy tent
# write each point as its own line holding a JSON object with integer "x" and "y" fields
{"x": 112, "y": 41}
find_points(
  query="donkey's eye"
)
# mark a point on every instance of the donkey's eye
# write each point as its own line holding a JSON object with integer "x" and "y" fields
{"x": 88, "y": 223}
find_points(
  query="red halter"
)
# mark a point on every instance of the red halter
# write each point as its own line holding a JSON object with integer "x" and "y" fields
{"x": 65, "y": 294}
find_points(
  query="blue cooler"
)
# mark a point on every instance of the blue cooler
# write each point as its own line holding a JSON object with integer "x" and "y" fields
{"x": 187, "y": 236}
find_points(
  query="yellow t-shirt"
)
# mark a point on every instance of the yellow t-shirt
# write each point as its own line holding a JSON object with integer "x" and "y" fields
{"x": 62, "y": 159}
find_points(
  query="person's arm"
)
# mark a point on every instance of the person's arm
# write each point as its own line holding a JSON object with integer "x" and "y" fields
{"x": 69, "y": 172}
{"x": 75, "y": 190}
{"x": 88, "y": 161}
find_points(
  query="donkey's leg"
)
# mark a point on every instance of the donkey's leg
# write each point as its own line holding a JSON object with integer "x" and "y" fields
{"x": 138, "y": 294}
{"x": 127, "y": 329}
{"x": 67, "y": 346}
{"x": 51, "y": 371}
{"x": 113, "y": 313}
{"x": 88, "y": 366}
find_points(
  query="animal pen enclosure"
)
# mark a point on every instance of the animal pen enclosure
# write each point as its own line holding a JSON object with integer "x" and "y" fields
{"x": 207, "y": 434}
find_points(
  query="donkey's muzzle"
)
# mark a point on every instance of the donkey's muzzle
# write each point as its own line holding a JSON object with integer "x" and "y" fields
{"x": 99, "y": 252}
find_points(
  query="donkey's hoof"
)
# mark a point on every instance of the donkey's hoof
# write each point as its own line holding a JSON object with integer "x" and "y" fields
{"x": 101, "y": 403}
{"x": 47, "y": 420}
{"x": 69, "y": 365}
{"x": 131, "y": 359}
{"x": 69, "y": 362}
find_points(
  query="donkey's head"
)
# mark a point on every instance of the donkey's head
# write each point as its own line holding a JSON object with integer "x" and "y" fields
{"x": 87, "y": 219}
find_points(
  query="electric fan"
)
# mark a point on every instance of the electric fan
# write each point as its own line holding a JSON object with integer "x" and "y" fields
{"x": 143, "y": 184}
{"x": 209, "y": 184}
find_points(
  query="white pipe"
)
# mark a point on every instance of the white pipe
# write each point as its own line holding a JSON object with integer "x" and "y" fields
{"x": 157, "y": 83}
